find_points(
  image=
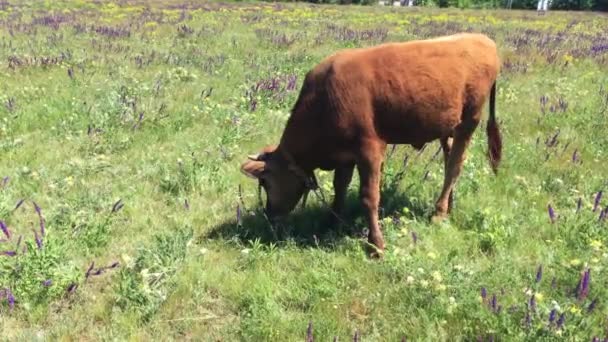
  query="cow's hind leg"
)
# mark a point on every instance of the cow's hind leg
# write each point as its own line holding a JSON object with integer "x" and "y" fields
{"x": 446, "y": 146}
{"x": 462, "y": 137}
{"x": 369, "y": 167}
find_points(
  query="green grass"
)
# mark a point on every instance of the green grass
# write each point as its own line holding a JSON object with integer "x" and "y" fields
{"x": 128, "y": 128}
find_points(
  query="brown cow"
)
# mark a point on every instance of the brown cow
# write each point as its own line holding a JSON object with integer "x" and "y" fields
{"x": 356, "y": 101}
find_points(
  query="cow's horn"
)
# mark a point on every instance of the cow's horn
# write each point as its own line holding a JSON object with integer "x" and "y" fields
{"x": 254, "y": 157}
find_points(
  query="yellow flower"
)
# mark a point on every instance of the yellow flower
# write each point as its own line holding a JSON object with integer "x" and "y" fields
{"x": 432, "y": 255}
{"x": 437, "y": 276}
{"x": 575, "y": 262}
{"x": 539, "y": 297}
{"x": 575, "y": 310}
{"x": 596, "y": 244}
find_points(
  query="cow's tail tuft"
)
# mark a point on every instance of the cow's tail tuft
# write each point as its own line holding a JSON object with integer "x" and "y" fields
{"x": 493, "y": 133}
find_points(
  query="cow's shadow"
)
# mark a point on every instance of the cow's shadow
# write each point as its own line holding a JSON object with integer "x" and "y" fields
{"x": 310, "y": 226}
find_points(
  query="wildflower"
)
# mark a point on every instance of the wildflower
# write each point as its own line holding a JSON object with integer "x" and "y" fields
{"x": 19, "y": 203}
{"x": 5, "y": 229}
{"x": 437, "y": 276}
{"x": 596, "y": 244}
{"x": 583, "y": 285}
{"x": 424, "y": 283}
{"x": 484, "y": 294}
{"x": 539, "y": 273}
{"x": 10, "y": 298}
{"x": 88, "y": 273}
{"x": 38, "y": 240}
{"x": 409, "y": 280}
{"x": 432, "y": 255}
{"x": 47, "y": 282}
{"x": 561, "y": 320}
{"x": 575, "y": 310}
{"x": 551, "y": 213}
{"x": 309, "y": 337}
{"x": 592, "y": 306}
{"x": 532, "y": 303}
{"x": 598, "y": 198}
{"x": 552, "y": 316}
{"x": 539, "y": 297}
{"x": 575, "y": 262}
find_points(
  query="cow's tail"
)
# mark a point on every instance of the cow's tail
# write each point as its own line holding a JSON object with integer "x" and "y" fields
{"x": 493, "y": 133}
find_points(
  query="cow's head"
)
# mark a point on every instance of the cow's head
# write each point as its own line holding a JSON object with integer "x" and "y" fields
{"x": 283, "y": 183}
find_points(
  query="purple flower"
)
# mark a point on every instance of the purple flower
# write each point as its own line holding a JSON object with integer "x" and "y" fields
{"x": 19, "y": 204}
{"x": 561, "y": 320}
{"x": 552, "y": 316}
{"x": 72, "y": 287}
{"x": 532, "y": 303}
{"x": 309, "y": 337}
{"x": 575, "y": 156}
{"x": 5, "y": 230}
{"x": 539, "y": 273}
{"x": 117, "y": 206}
{"x": 47, "y": 282}
{"x": 37, "y": 208}
{"x": 598, "y": 198}
{"x": 592, "y": 306}
{"x": 10, "y": 298}
{"x": 9, "y": 253}
{"x": 584, "y": 289}
{"x": 38, "y": 241}
{"x": 484, "y": 293}
{"x": 551, "y": 213}
{"x": 493, "y": 303}
{"x": 88, "y": 273}
{"x": 528, "y": 320}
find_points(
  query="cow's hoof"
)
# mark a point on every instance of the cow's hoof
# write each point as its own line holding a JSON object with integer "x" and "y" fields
{"x": 375, "y": 252}
{"x": 438, "y": 218}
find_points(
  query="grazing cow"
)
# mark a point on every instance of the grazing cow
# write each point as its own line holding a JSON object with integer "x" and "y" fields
{"x": 356, "y": 101}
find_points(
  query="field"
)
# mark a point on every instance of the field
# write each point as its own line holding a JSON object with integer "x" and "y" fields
{"x": 124, "y": 214}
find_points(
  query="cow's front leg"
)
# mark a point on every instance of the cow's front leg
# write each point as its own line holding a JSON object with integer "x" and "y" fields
{"x": 342, "y": 178}
{"x": 369, "y": 172}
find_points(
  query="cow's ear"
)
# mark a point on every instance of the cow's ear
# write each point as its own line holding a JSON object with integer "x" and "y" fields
{"x": 253, "y": 168}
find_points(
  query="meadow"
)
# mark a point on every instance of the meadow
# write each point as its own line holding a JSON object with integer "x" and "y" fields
{"x": 124, "y": 215}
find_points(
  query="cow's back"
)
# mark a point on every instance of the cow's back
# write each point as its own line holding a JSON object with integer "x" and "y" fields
{"x": 410, "y": 92}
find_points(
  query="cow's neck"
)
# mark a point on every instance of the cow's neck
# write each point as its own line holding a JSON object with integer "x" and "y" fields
{"x": 299, "y": 140}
